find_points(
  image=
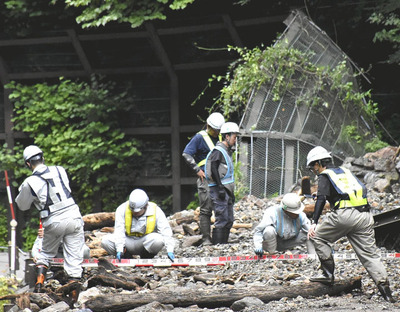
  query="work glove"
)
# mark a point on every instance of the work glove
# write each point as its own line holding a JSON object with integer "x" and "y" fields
{"x": 119, "y": 255}
{"x": 259, "y": 252}
{"x": 221, "y": 192}
{"x": 171, "y": 256}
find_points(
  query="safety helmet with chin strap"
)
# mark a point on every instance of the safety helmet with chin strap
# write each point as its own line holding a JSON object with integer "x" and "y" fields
{"x": 317, "y": 153}
{"x": 31, "y": 151}
{"x": 215, "y": 121}
{"x": 138, "y": 199}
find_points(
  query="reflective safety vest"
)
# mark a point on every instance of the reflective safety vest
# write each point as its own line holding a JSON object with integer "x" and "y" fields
{"x": 351, "y": 189}
{"x": 58, "y": 195}
{"x": 226, "y": 178}
{"x": 209, "y": 143}
{"x": 150, "y": 221}
{"x": 280, "y": 226}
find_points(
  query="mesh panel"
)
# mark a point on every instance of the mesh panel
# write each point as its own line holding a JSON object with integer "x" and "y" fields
{"x": 279, "y": 134}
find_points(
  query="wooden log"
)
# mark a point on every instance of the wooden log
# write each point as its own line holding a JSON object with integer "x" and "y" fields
{"x": 112, "y": 281}
{"x": 183, "y": 297}
{"x": 242, "y": 225}
{"x": 98, "y": 220}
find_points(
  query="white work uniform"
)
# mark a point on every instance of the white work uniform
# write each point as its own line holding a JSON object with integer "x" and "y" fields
{"x": 277, "y": 231}
{"x": 63, "y": 224}
{"x": 37, "y": 247}
{"x": 152, "y": 242}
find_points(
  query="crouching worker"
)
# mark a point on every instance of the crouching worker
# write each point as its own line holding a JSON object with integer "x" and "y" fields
{"x": 141, "y": 228}
{"x": 283, "y": 227}
{"x": 49, "y": 191}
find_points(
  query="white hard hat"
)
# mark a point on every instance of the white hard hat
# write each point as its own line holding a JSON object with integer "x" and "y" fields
{"x": 317, "y": 153}
{"x": 292, "y": 203}
{"x": 30, "y": 151}
{"x": 215, "y": 120}
{"x": 229, "y": 127}
{"x": 138, "y": 200}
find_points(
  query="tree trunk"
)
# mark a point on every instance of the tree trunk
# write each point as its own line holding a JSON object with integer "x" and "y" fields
{"x": 182, "y": 297}
{"x": 99, "y": 220}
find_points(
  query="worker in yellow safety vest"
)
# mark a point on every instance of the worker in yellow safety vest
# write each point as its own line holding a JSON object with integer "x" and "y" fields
{"x": 141, "y": 228}
{"x": 350, "y": 216}
{"x": 195, "y": 154}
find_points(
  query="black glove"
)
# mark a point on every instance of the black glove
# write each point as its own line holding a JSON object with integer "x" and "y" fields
{"x": 221, "y": 192}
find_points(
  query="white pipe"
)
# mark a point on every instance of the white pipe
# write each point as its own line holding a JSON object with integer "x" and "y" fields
{"x": 13, "y": 224}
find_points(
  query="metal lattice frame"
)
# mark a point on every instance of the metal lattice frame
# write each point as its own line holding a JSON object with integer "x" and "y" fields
{"x": 279, "y": 134}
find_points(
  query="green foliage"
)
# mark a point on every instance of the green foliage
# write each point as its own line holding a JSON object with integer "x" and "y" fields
{"x": 194, "y": 203}
{"x": 4, "y": 226}
{"x": 95, "y": 13}
{"x": 241, "y": 187}
{"x": 7, "y": 287}
{"x": 276, "y": 65}
{"x": 375, "y": 145}
{"x": 29, "y": 234}
{"x": 76, "y": 126}
{"x": 386, "y": 15}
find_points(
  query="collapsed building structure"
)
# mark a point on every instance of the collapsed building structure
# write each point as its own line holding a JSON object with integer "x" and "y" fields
{"x": 277, "y": 135}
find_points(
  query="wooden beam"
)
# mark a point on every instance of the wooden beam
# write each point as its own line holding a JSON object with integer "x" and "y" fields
{"x": 232, "y": 30}
{"x": 79, "y": 50}
{"x": 174, "y": 114}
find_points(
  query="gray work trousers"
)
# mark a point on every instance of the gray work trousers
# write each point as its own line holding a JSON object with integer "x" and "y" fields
{"x": 205, "y": 202}
{"x": 272, "y": 242}
{"x": 357, "y": 227}
{"x": 223, "y": 209}
{"x": 70, "y": 232}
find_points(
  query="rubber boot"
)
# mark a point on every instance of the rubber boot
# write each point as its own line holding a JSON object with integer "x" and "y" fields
{"x": 40, "y": 278}
{"x": 384, "y": 288}
{"x": 327, "y": 277}
{"x": 205, "y": 225}
{"x": 226, "y": 236}
{"x": 218, "y": 236}
{"x": 146, "y": 255}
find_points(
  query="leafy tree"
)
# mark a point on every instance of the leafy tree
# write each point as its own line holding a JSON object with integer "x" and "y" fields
{"x": 76, "y": 124}
{"x": 387, "y": 14}
{"x": 99, "y": 13}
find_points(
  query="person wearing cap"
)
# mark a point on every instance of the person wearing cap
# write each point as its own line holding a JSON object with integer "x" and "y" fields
{"x": 350, "y": 216}
{"x": 49, "y": 191}
{"x": 195, "y": 154}
{"x": 283, "y": 227}
{"x": 219, "y": 172}
{"x": 141, "y": 228}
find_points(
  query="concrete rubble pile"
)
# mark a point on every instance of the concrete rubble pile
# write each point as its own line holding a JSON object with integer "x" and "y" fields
{"x": 380, "y": 172}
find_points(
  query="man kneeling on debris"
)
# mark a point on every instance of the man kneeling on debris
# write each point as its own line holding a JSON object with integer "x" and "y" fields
{"x": 141, "y": 228}
{"x": 283, "y": 227}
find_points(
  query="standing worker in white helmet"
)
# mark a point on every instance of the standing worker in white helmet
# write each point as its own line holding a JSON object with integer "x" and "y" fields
{"x": 350, "y": 216}
{"x": 221, "y": 181}
{"x": 49, "y": 191}
{"x": 282, "y": 227}
{"x": 195, "y": 154}
{"x": 141, "y": 228}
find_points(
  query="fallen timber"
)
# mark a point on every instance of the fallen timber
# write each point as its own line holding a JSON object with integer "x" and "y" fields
{"x": 183, "y": 297}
